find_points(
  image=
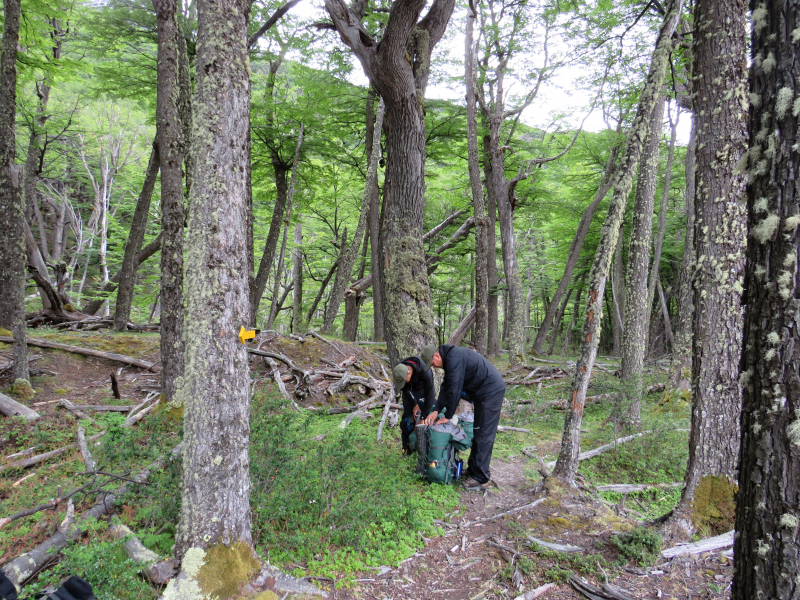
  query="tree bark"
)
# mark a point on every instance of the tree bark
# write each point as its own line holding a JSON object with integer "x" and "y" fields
{"x": 575, "y": 312}
{"x": 352, "y": 301}
{"x": 298, "y": 324}
{"x": 374, "y": 230}
{"x": 215, "y": 498}
{"x": 127, "y": 272}
{"x": 171, "y": 145}
{"x": 567, "y": 464}
{"x": 274, "y": 308}
{"x": 324, "y": 284}
{"x": 12, "y": 251}
{"x": 557, "y": 323}
{"x": 575, "y": 251}
{"x": 618, "y": 294}
{"x": 345, "y": 269}
{"x": 720, "y": 83}
{"x": 406, "y": 293}
{"x": 637, "y": 311}
{"x": 681, "y": 368}
{"x": 493, "y": 324}
{"x": 481, "y": 219}
{"x": 767, "y": 540}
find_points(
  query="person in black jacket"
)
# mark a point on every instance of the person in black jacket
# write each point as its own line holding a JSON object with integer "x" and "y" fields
{"x": 414, "y": 378}
{"x": 466, "y": 370}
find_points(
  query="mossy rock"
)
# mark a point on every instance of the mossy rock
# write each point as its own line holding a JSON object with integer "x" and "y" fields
{"x": 21, "y": 388}
{"x": 226, "y": 569}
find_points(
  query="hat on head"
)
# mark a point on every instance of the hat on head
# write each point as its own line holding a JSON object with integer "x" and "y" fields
{"x": 427, "y": 353}
{"x": 400, "y": 372}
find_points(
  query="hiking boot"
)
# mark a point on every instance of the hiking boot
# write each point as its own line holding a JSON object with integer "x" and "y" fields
{"x": 470, "y": 483}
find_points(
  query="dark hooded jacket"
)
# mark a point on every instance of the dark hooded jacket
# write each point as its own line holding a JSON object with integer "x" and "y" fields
{"x": 419, "y": 390}
{"x": 466, "y": 370}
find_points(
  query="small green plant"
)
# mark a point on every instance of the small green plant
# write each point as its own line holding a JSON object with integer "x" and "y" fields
{"x": 641, "y": 545}
{"x": 105, "y": 566}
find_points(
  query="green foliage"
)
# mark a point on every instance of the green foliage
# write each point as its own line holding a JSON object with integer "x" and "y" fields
{"x": 103, "y": 564}
{"x": 336, "y": 506}
{"x": 642, "y": 546}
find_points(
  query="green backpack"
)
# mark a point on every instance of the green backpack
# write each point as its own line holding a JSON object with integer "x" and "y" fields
{"x": 443, "y": 441}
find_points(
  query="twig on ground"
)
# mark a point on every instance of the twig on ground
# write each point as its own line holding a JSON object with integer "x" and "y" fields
{"x": 88, "y": 459}
{"x": 512, "y": 511}
{"x": 383, "y": 418}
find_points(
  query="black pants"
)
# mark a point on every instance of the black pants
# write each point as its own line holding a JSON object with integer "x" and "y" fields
{"x": 487, "y": 418}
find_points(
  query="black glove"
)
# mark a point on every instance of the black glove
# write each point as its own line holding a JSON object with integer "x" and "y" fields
{"x": 7, "y": 589}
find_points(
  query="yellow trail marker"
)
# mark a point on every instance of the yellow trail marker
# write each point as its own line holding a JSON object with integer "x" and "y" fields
{"x": 246, "y": 335}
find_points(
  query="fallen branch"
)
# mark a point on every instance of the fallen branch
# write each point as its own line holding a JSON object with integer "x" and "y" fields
{"x": 26, "y": 565}
{"x": 505, "y": 428}
{"x": 140, "y": 415}
{"x": 157, "y": 569}
{"x": 12, "y": 408}
{"x": 605, "y": 591}
{"x": 533, "y": 594}
{"x": 128, "y": 360}
{"x": 629, "y": 488}
{"x": 33, "y": 460}
{"x": 383, "y": 418}
{"x": 74, "y": 410}
{"x": 338, "y": 385}
{"x": 555, "y": 547}
{"x": 707, "y": 545}
{"x": 83, "y": 446}
{"x": 349, "y": 419}
{"x": 45, "y": 506}
{"x": 605, "y": 447}
{"x": 322, "y": 339}
{"x": 104, "y": 407}
{"x": 26, "y": 452}
{"x": 276, "y": 375}
{"x": 284, "y": 359}
{"x": 512, "y": 511}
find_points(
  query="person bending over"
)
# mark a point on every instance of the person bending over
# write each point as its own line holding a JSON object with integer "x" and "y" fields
{"x": 466, "y": 370}
{"x": 414, "y": 378}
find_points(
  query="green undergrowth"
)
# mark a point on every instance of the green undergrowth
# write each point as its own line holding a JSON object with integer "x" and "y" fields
{"x": 337, "y": 505}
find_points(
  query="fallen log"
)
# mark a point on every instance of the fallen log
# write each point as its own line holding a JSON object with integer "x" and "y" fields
{"x": 707, "y": 545}
{"x": 512, "y": 511}
{"x": 605, "y": 591}
{"x": 83, "y": 446}
{"x": 276, "y": 376}
{"x": 629, "y": 488}
{"x": 33, "y": 460}
{"x": 128, "y": 360}
{"x": 338, "y": 385}
{"x": 11, "y": 408}
{"x": 284, "y": 359}
{"x": 605, "y": 447}
{"x": 383, "y": 418}
{"x": 140, "y": 415}
{"x": 156, "y": 568}
{"x": 505, "y": 428}
{"x": 104, "y": 407}
{"x": 566, "y": 548}
{"x": 536, "y": 593}
{"x": 75, "y": 411}
{"x": 26, "y": 565}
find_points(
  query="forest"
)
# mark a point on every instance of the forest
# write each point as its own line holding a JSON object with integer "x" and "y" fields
{"x": 223, "y": 223}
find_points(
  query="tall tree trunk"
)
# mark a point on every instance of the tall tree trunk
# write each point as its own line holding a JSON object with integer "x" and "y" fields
{"x": 481, "y": 219}
{"x": 323, "y": 286}
{"x": 12, "y": 250}
{"x": 345, "y": 268}
{"x": 567, "y": 464}
{"x": 374, "y": 230}
{"x": 720, "y": 82}
{"x": 352, "y": 301}
{"x": 575, "y": 250}
{"x": 767, "y": 541}
{"x": 35, "y": 155}
{"x": 575, "y": 311}
{"x": 493, "y": 320}
{"x": 681, "y": 368}
{"x": 557, "y": 322}
{"x": 171, "y": 149}
{"x": 298, "y": 324}
{"x": 618, "y": 294}
{"x": 635, "y": 318}
{"x": 274, "y": 308}
{"x": 215, "y": 500}
{"x": 127, "y": 272}
{"x": 264, "y": 267}
{"x": 658, "y": 244}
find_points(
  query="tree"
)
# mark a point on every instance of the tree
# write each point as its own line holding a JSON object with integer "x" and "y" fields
{"x": 171, "y": 143}
{"x": 401, "y": 83}
{"x": 719, "y": 86}
{"x": 766, "y": 547}
{"x": 215, "y": 498}
{"x": 12, "y": 253}
{"x": 634, "y": 332}
{"x": 567, "y": 464}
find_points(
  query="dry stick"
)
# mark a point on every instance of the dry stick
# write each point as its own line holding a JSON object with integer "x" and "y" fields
{"x": 88, "y": 459}
{"x": 592, "y": 453}
{"x": 383, "y": 418}
{"x": 506, "y": 428}
{"x": 512, "y": 511}
{"x": 27, "y": 452}
{"x": 339, "y": 385}
{"x": 154, "y": 567}
{"x": 74, "y": 410}
{"x": 331, "y": 344}
{"x": 25, "y": 566}
{"x": 12, "y": 408}
{"x": 278, "y": 356}
{"x": 140, "y": 415}
{"x": 21, "y": 464}
{"x": 555, "y": 547}
{"x": 89, "y": 352}
{"x": 104, "y": 407}
{"x": 142, "y": 404}
{"x": 44, "y": 506}
{"x": 628, "y": 488}
{"x": 533, "y": 594}
{"x": 276, "y": 375}
{"x": 715, "y": 543}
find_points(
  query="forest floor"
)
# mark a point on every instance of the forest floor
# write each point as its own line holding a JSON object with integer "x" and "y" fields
{"x": 460, "y": 545}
